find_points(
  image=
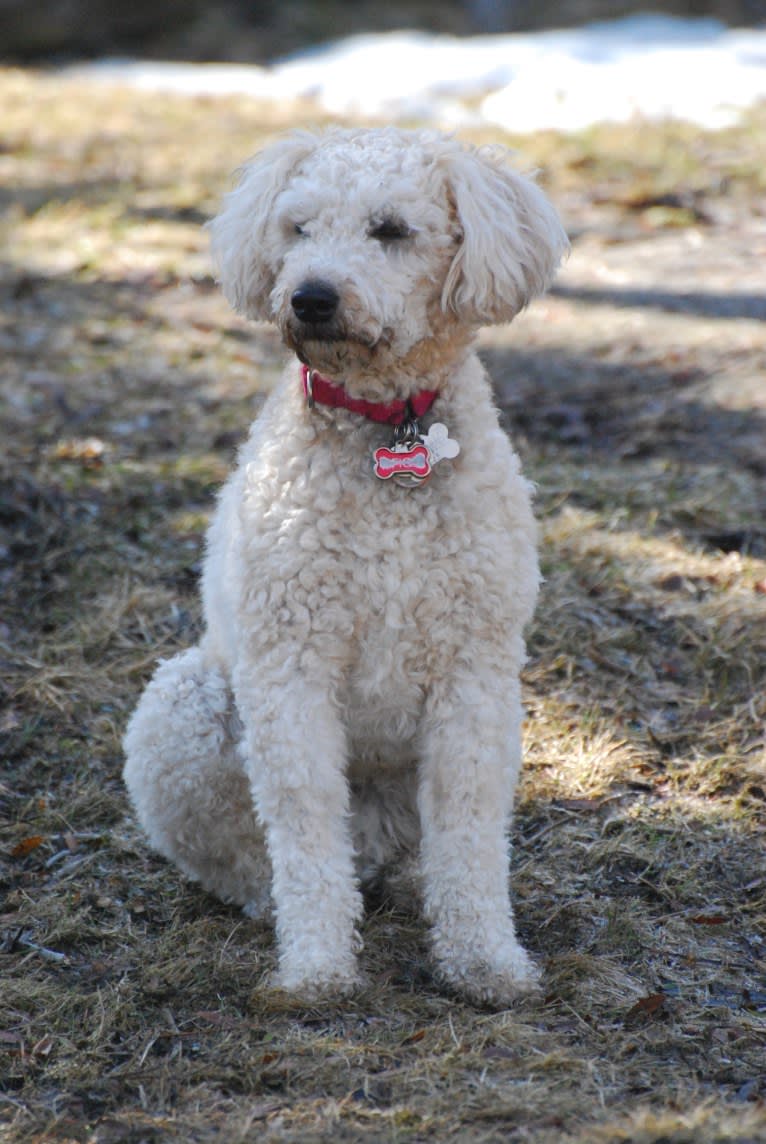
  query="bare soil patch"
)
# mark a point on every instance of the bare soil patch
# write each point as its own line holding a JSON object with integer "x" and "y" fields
{"x": 133, "y": 1007}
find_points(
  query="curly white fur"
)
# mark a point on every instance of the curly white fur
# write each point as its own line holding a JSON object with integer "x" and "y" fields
{"x": 354, "y": 700}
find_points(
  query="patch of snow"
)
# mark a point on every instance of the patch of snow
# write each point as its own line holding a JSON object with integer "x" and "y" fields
{"x": 648, "y": 66}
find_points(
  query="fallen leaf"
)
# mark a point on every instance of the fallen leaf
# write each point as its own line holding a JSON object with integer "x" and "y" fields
{"x": 27, "y": 845}
{"x": 709, "y": 920}
{"x": 89, "y": 452}
{"x": 215, "y": 1018}
{"x": 646, "y": 1008}
{"x": 673, "y": 582}
{"x": 578, "y": 803}
{"x": 43, "y": 1047}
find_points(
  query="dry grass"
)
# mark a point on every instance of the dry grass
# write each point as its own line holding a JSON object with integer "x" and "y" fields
{"x": 132, "y": 1006}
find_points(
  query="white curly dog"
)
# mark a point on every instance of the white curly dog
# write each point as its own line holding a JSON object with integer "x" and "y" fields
{"x": 354, "y": 701}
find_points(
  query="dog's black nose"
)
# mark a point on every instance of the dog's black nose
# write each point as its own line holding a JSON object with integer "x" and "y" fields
{"x": 315, "y": 302}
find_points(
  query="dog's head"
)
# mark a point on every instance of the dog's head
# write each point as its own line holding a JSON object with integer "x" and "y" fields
{"x": 365, "y": 244}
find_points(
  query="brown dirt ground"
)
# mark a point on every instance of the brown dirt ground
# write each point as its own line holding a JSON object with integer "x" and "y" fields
{"x": 133, "y": 1007}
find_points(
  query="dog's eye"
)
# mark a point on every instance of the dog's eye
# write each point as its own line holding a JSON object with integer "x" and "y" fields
{"x": 298, "y": 229}
{"x": 389, "y": 230}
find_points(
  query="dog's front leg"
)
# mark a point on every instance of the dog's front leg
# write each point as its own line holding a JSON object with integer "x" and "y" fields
{"x": 469, "y": 765}
{"x": 296, "y": 759}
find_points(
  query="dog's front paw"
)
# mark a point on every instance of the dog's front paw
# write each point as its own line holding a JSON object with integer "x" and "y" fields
{"x": 320, "y": 978}
{"x": 496, "y": 981}
{"x": 316, "y": 988}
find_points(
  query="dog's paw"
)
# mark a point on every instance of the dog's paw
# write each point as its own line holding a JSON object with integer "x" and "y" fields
{"x": 319, "y": 986}
{"x": 498, "y": 982}
{"x": 323, "y": 979}
{"x": 259, "y": 908}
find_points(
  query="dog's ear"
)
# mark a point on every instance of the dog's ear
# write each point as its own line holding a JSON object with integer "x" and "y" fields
{"x": 512, "y": 238}
{"x": 245, "y": 266}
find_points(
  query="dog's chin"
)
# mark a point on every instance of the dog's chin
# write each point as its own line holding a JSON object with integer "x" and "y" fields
{"x": 332, "y": 349}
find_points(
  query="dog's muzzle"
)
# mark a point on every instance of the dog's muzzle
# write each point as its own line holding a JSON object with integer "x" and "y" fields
{"x": 315, "y": 302}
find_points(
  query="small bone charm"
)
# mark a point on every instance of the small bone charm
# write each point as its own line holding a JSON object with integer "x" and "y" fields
{"x": 439, "y": 443}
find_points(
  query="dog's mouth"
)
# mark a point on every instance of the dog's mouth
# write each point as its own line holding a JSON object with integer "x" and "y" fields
{"x": 301, "y": 333}
{"x": 314, "y": 341}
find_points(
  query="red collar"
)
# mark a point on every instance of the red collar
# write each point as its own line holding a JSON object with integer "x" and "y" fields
{"x": 323, "y": 392}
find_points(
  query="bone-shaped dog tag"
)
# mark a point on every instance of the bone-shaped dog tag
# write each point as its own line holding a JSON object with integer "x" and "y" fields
{"x": 403, "y": 463}
{"x": 407, "y": 463}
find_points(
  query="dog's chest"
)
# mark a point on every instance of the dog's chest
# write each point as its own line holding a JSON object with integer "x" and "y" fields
{"x": 381, "y": 588}
{"x": 409, "y": 600}
{"x": 337, "y": 554}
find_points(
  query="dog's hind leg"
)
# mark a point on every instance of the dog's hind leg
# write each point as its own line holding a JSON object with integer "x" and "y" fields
{"x": 187, "y": 784}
